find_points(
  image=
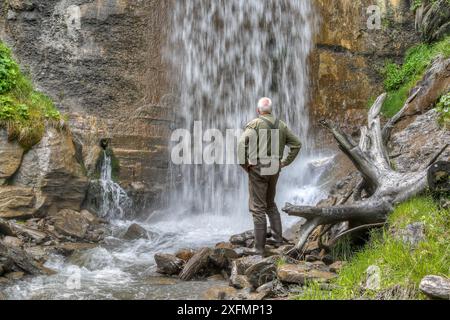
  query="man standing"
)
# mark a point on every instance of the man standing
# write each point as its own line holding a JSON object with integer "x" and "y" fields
{"x": 262, "y": 144}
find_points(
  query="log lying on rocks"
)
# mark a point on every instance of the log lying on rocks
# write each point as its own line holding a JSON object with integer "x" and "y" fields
{"x": 384, "y": 186}
{"x": 435, "y": 287}
{"x": 196, "y": 264}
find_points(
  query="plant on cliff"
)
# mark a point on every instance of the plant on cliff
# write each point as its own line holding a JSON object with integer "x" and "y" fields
{"x": 443, "y": 108}
{"x": 400, "y": 79}
{"x": 24, "y": 112}
{"x": 402, "y": 265}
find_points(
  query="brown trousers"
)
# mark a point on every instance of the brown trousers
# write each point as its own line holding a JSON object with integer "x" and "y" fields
{"x": 262, "y": 190}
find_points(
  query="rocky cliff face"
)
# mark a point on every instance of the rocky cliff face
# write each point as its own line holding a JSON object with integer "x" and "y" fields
{"x": 101, "y": 62}
{"x": 350, "y": 52}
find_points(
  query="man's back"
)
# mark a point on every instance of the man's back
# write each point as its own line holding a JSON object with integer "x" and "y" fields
{"x": 286, "y": 137}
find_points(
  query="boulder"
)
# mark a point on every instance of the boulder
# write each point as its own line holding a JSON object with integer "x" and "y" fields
{"x": 436, "y": 287}
{"x": 337, "y": 266}
{"x": 412, "y": 234}
{"x": 71, "y": 223}
{"x": 262, "y": 272}
{"x": 244, "y": 263}
{"x": 135, "y": 232}
{"x": 17, "y": 202}
{"x": 220, "y": 293}
{"x": 90, "y": 217}
{"x": 11, "y": 156}
{"x": 14, "y": 276}
{"x": 12, "y": 242}
{"x": 70, "y": 248}
{"x": 435, "y": 83}
{"x": 52, "y": 168}
{"x": 221, "y": 257}
{"x": 185, "y": 254}
{"x": 5, "y": 228}
{"x": 168, "y": 264}
{"x": 237, "y": 280}
{"x": 38, "y": 253}
{"x": 196, "y": 264}
{"x": 225, "y": 245}
{"x": 272, "y": 289}
{"x": 246, "y": 238}
{"x": 301, "y": 273}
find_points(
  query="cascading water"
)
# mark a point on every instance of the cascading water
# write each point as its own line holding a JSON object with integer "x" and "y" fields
{"x": 227, "y": 54}
{"x": 114, "y": 199}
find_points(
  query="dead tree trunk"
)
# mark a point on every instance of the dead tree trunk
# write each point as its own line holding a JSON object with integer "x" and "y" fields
{"x": 384, "y": 186}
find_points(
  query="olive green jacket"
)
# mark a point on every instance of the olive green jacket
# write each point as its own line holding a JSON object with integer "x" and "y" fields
{"x": 286, "y": 138}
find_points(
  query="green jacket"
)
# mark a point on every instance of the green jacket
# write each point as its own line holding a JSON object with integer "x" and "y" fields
{"x": 286, "y": 138}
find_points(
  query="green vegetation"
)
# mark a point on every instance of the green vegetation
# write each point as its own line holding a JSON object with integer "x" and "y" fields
{"x": 416, "y": 4}
{"x": 402, "y": 267}
{"x": 443, "y": 107}
{"x": 24, "y": 112}
{"x": 400, "y": 79}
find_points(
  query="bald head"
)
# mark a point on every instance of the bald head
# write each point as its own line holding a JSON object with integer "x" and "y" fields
{"x": 264, "y": 106}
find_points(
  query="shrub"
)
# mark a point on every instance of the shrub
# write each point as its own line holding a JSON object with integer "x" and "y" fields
{"x": 400, "y": 79}
{"x": 24, "y": 112}
{"x": 9, "y": 70}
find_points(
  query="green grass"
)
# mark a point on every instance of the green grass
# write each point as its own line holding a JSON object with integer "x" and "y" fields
{"x": 402, "y": 267}
{"x": 24, "y": 112}
{"x": 400, "y": 79}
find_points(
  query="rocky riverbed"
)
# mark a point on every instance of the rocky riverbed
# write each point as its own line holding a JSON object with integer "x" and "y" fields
{"x": 250, "y": 277}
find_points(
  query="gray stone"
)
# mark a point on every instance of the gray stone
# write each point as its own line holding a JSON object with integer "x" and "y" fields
{"x": 237, "y": 280}
{"x": 412, "y": 234}
{"x": 272, "y": 289}
{"x": 135, "y": 232}
{"x": 221, "y": 257}
{"x": 301, "y": 273}
{"x": 12, "y": 242}
{"x": 10, "y": 154}
{"x": 262, "y": 272}
{"x": 31, "y": 233}
{"x": 14, "y": 276}
{"x": 168, "y": 264}
{"x": 5, "y": 228}
{"x": 435, "y": 287}
{"x": 242, "y": 264}
{"x": 38, "y": 253}
{"x": 71, "y": 223}
{"x": 51, "y": 167}
{"x": 17, "y": 202}
{"x": 185, "y": 254}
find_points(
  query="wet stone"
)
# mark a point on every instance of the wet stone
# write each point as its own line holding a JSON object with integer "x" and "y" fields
{"x": 168, "y": 264}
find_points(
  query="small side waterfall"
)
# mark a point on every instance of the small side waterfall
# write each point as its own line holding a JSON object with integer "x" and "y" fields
{"x": 114, "y": 200}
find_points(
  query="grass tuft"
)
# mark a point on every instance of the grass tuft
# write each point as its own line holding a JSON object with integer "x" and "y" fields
{"x": 400, "y": 79}
{"x": 24, "y": 112}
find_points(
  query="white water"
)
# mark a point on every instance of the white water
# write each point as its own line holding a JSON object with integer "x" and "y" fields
{"x": 227, "y": 53}
{"x": 114, "y": 199}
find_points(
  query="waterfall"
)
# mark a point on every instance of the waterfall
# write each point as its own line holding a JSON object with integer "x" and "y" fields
{"x": 114, "y": 200}
{"x": 225, "y": 55}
